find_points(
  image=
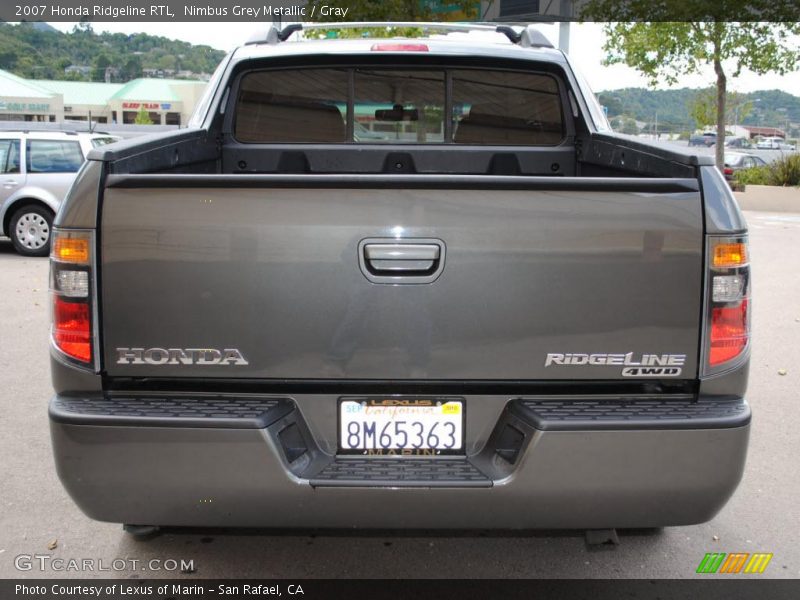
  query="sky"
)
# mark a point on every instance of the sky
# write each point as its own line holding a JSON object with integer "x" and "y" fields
{"x": 586, "y": 49}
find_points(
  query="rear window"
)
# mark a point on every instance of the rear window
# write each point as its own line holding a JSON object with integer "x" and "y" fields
{"x": 503, "y": 107}
{"x": 53, "y": 156}
{"x": 396, "y": 106}
{"x": 307, "y": 105}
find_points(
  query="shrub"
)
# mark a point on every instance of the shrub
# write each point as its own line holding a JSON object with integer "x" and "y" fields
{"x": 783, "y": 172}
{"x": 786, "y": 170}
{"x": 754, "y": 176}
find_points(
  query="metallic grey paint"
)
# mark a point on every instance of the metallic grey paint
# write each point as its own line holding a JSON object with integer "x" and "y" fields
{"x": 237, "y": 477}
{"x": 527, "y": 273}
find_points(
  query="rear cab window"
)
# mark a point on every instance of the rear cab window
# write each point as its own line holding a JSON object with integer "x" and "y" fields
{"x": 53, "y": 156}
{"x": 399, "y": 106}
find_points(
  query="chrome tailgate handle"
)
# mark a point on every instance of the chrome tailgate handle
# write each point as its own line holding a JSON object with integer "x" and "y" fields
{"x": 402, "y": 257}
{"x": 392, "y": 261}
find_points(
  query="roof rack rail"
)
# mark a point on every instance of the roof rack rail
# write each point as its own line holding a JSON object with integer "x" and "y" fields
{"x": 527, "y": 37}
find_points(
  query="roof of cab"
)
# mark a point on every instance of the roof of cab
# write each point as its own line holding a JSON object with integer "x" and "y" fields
{"x": 488, "y": 44}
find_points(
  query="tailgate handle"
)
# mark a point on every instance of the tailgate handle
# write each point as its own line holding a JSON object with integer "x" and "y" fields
{"x": 397, "y": 261}
{"x": 402, "y": 259}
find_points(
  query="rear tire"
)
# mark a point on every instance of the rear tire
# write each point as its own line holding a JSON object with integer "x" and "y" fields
{"x": 31, "y": 230}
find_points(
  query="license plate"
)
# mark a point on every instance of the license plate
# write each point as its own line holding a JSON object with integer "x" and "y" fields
{"x": 391, "y": 426}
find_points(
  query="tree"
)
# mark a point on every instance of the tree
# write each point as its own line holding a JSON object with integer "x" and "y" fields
{"x": 101, "y": 63}
{"x": 659, "y": 40}
{"x": 143, "y": 117}
{"x": 132, "y": 68}
{"x": 703, "y": 107}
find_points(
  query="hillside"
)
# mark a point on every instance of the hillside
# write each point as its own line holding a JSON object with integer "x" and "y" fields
{"x": 772, "y": 108}
{"x": 35, "y": 50}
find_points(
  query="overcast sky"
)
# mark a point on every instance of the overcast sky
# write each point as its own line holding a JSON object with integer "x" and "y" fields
{"x": 586, "y": 49}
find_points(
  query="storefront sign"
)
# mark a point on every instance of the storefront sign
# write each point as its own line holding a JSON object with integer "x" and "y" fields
{"x": 24, "y": 107}
{"x": 137, "y": 105}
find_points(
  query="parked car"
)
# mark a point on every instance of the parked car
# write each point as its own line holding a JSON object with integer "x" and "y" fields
{"x": 775, "y": 143}
{"x": 736, "y": 161}
{"x": 738, "y": 142}
{"x": 37, "y": 169}
{"x": 519, "y": 319}
{"x": 706, "y": 139}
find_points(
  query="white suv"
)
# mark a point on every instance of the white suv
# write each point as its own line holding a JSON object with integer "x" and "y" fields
{"x": 36, "y": 170}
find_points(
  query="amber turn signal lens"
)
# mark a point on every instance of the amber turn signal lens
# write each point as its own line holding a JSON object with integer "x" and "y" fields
{"x": 71, "y": 250}
{"x": 732, "y": 254}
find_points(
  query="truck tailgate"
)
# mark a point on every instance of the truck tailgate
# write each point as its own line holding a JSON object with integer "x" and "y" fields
{"x": 326, "y": 277}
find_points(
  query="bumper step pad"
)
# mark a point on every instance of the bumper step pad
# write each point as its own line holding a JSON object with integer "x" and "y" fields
{"x": 400, "y": 472}
{"x": 189, "y": 411}
{"x": 636, "y": 413}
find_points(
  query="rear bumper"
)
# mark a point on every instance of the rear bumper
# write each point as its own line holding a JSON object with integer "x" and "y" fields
{"x": 254, "y": 462}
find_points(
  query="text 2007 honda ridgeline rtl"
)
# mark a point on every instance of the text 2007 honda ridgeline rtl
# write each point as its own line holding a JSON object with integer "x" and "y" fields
{"x": 399, "y": 283}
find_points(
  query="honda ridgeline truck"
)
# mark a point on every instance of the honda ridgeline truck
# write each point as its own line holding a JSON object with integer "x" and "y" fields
{"x": 399, "y": 283}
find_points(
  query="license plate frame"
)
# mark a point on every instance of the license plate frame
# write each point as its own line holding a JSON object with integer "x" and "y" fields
{"x": 405, "y": 403}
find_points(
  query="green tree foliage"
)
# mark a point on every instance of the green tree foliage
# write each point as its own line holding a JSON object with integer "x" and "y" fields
{"x": 625, "y": 125}
{"x": 703, "y": 107}
{"x": 771, "y": 108}
{"x": 33, "y": 52}
{"x": 661, "y": 41}
{"x": 143, "y": 117}
{"x": 101, "y": 63}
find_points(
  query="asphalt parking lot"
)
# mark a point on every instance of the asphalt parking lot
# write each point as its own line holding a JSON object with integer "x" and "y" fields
{"x": 38, "y": 517}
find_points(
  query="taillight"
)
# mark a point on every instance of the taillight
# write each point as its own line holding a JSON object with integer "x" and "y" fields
{"x": 72, "y": 328}
{"x": 727, "y": 304}
{"x": 71, "y": 291}
{"x": 727, "y": 171}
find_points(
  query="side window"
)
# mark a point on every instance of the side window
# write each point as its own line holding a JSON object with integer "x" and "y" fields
{"x": 504, "y": 107}
{"x": 9, "y": 156}
{"x": 54, "y": 156}
{"x": 301, "y": 106}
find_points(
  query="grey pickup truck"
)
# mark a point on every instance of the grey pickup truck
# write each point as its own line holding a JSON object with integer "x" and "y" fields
{"x": 411, "y": 282}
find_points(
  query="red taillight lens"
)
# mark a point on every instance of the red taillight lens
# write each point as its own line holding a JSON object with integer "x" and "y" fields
{"x": 72, "y": 328}
{"x": 727, "y": 171}
{"x": 395, "y": 47}
{"x": 729, "y": 332}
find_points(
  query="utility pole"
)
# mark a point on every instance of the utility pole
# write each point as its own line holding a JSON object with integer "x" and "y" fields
{"x": 565, "y": 9}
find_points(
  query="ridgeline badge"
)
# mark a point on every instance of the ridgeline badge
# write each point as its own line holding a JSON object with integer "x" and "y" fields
{"x": 648, "y": 365}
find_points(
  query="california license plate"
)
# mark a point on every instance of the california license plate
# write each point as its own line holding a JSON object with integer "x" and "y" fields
{"x": 402, "y": 427}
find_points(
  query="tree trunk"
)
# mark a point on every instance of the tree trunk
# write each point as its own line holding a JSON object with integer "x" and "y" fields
{"x": 722, "y": 84}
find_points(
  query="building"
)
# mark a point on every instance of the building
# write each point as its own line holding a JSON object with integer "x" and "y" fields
{"x": 24, "y": 100}
{"x": 764, "y": 132}
{"x": 167, "y": 101}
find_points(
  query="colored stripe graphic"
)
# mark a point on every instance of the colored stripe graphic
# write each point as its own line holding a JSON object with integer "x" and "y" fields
{"x": 734, "y": 562}
{"x": 711, "y": 562}
{"x": 758, "y": 562}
